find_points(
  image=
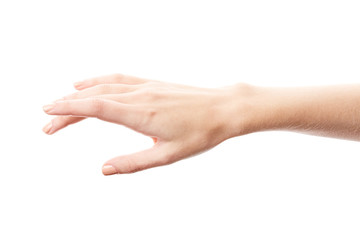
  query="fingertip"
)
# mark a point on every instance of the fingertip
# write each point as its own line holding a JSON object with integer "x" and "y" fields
{"x": 79, "y": 85}
{"x": 47, "y": 128}
{"x": 108, "y": 170}
{"x": 47, "y": 108}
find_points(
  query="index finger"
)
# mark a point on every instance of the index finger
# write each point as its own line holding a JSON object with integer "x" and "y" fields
{"x": 107, "y": 110}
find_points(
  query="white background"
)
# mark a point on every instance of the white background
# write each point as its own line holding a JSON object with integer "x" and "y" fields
{"x": 273, "y": 185}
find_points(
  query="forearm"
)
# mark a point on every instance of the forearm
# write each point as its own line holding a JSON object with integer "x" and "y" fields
{"x": 332, "y": 111}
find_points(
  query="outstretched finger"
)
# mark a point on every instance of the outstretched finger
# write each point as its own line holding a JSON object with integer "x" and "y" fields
{"x": 103, "y": 109}
{"x": 63, "y": 121}
{"x": 60, "y": 122}
{"x": 110, "y": 79}
{"x": 158, "y": 155}
{"x": 102, "y": 89}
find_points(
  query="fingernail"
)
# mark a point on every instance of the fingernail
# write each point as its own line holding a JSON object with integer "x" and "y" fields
{"x": 47, "y": 128}
{"x": 48, "y": 107}
{"x": 108, "y": 170}
{"x": 77, "y": 84}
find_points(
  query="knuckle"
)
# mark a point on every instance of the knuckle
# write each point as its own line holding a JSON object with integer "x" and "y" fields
{"x": 150, "y": 94}
{"x": 118, "y": 76}
{"x": 146, "y": 120}
{"x": 97, "y": 106}
{"x": 131, "y": 166}
{"x": 65, "y": 106}
{"x": 144, "y": 91}
{"x": 150, "y": 115}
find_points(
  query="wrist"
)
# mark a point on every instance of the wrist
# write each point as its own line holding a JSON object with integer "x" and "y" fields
{"x": 256, "y": 109}
{"x": 237, "y": 109}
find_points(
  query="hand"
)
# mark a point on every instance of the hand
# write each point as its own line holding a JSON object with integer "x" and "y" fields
{"x": 182, "y": 120}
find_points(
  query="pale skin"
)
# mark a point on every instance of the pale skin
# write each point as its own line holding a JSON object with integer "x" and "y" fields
{"x": 184, "y": 121}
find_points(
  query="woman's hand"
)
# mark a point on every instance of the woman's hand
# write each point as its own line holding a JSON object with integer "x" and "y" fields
{"x": 182, "y": 120}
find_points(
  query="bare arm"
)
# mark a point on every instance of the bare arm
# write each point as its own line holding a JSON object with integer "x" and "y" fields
{"x": 332, "y": 111}
{"x": 184, "y": 120}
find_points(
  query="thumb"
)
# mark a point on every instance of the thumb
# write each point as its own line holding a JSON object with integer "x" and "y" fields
{"x": 158, "y": 155}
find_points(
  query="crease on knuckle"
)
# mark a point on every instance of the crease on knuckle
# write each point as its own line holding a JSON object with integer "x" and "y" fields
{"x": 97, "y": 106}
{"x": 131, "y": 166}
